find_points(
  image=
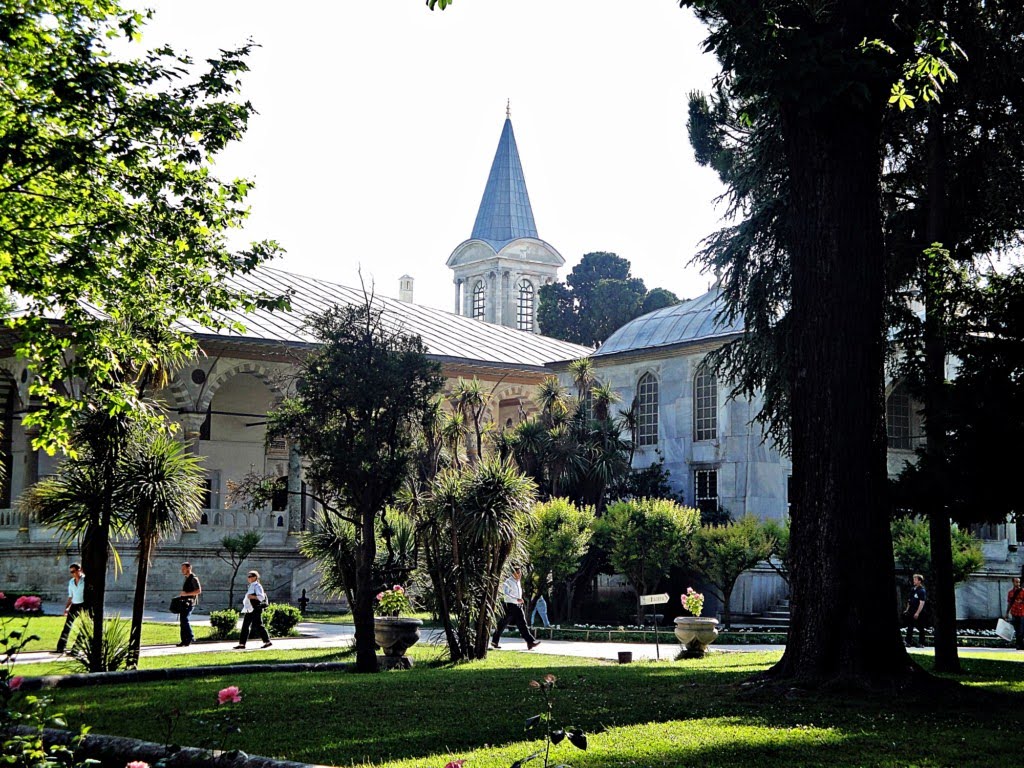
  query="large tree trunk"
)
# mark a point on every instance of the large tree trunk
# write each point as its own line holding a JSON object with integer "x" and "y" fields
{"x": 942, "y": 591}
{"x": 362, "y": 610}
{"x": 844, "y": 626}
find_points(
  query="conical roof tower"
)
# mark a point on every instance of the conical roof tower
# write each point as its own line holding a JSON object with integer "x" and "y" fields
{"x": 504, "y": 263}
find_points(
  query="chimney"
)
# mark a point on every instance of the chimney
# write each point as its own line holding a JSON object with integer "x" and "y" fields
{"x": 405, "y": 288}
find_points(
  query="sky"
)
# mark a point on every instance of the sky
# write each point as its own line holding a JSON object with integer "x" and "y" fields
{"x": 378, "y": 121}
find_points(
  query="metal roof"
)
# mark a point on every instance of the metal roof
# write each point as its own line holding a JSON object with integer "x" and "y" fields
{"x": 446, "y": 335}
{"x": 688, "y": 322}
{"x": 505, "y": 213}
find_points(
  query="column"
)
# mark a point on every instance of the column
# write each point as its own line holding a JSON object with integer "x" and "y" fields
{"x": 31, "y": 477}
{"x": 458, "y": 289}
{"x": 294, "y": 489}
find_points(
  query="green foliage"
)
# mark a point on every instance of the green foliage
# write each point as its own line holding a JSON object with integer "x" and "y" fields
{"x": 223, "y": 623}
{"x": 115, "y": 650}
{"x": 558, "y": 536}
{"x": 598, "y": 297}
{"x": 644, "y": 538}
{"x": 650, "y": 482}
{"x": 722, "y": 552}
{"x": 110, "y": 216}
{"x": 911, "y": 543}
{"x": 280, "y": 619}
{"x": 470, "y": 526}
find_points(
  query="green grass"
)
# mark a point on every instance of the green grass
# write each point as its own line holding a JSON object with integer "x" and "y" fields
{"x": 48, "y": 629}
{"x": 649, "y": 714}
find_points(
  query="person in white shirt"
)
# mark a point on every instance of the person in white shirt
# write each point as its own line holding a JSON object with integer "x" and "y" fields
{"x": 74, "y": 606}
{"x": 252, "y": 612}
{"x": 512, "y": 595}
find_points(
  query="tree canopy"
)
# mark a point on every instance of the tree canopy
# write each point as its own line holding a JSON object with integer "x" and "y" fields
{"x": 111, "y": 219}
{"x": 597, "y": 297}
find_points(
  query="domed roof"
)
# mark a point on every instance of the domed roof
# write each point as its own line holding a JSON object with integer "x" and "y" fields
{"x": 684, "y": 323}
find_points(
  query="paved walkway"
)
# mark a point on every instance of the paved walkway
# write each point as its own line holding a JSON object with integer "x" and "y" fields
{"x": 321, "y": 635}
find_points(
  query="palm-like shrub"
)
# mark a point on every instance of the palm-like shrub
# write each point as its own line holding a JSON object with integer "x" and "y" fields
{"x": 114, "y": 648}
{"x": 469, "y": 528}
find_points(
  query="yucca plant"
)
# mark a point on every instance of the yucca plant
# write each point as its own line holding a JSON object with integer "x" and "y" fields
{"x": 113, "y": 651}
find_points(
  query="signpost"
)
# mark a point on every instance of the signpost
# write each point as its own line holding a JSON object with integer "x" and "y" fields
{"x": 655, "y": 600}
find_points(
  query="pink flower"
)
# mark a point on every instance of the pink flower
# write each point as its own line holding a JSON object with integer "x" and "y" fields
{"x": 549, "y": 678}
{"x": 397, "y": 588}
{"x": 15, "y": 682}
{"x": 3, "y": 596}
{"x": 137, "y": 764}
{"x": 455, "y": 763}
{"x": 228, "y": 695}
{"x": 380, "y": 595}
{"x": 28, "y": 603}
{"x": 534, "y": 684}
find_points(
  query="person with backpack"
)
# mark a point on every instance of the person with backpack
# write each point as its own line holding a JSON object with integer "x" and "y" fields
{"x": 1015, "y": 611}
{"x": 253, "y": 603}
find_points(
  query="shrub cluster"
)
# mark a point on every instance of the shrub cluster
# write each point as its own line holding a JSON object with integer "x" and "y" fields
{"x": 223, "y": 623}
{"x": 280, "y": 619}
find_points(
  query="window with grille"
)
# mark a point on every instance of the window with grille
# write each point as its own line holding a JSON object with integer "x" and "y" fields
{"x": 524, "y": 307}
{"x": 897, "y": 417}
{"x": 479, "y": 300}
{"x": 647, "y": 410}
{"x": 705, "y": 490}
{"x": 705, "y": 405}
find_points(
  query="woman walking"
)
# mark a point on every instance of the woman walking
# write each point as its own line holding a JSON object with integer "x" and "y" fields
{"x": 252, "y": 612}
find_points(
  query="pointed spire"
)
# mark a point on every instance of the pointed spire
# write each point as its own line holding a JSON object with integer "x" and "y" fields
{"x": 508, "y": 109}
{"x": 505, "y": 213}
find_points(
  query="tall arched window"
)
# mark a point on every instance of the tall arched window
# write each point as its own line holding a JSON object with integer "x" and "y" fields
{"x": 479, "y": 300}
{"x": 897, "y": 418}
{"x": 524, "y": 306}
{"x": 647, "y": 410}
{"x": 705, "y": 405}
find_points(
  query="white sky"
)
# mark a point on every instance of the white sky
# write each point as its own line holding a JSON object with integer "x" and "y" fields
{"x": 378, "y": 121}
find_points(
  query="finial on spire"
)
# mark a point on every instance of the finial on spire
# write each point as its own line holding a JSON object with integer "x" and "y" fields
{"x": 508, "y": 109}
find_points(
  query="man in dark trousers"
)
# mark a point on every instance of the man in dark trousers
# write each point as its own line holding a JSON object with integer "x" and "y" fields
{"x": 915, "y": 606}
{"x": 75, "y": 604}
{"x": 190, "y": 589}
{"x": 512, "y": 593}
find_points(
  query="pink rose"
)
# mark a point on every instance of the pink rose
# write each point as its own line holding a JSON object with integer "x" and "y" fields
{"x": 15, "y": 682}
{"x": 380, "y": 595}
{"x": 455, "y": 764}
{"x": 549, "y": 678}
{"x": 231, "y": 694}
{"x": 137, "y": 764}
{"x": 397, "y": 588}
{"x": 28, "y": 603}
{"x": 534, "y": 684}
{"x": 3, "y": 596}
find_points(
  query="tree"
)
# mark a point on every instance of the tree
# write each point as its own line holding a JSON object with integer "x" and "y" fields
{"x": 558, "y": 536}
{"x": 644, "y": 538}
{"x": 911, "y": 543}
{"x": 235, "y": 550}
{"x": 358, "y": 396}
{"x": 110, "y": 217}
{"x": 164, "y": 494}
{"x": 723, "y": 552}
{"x": 598, "y": 297}
{"x": 470, "y": 526}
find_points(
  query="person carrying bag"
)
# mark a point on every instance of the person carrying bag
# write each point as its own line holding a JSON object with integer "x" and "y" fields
{"x": 253, "y": 603}
{"x": 1015, "y": 611}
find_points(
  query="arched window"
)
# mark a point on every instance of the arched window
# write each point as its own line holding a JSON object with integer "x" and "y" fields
{"x": 897, "y": 418}
{"x": 479, "y": 300}
{"x": 705, "y": 405}
{"x": 647, "y": 410}
{"x": 524, "y": 307}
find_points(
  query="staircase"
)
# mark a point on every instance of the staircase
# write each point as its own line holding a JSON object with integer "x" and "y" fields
{"x": 776, "y": 618}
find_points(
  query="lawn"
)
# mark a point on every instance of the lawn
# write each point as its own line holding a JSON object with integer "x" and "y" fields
{"x": 655, "y": 715}
{"x": 48, "y": 629}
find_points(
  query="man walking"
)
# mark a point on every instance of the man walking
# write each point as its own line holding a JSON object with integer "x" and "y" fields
{"x": 1015, "y": 611}
{"x": 190, "y": 589}
{"x": 915, "y": 605}
{"x": 75, "y": 604}
{"x": 512, "y": 594}
{"x": 540, "y": 608}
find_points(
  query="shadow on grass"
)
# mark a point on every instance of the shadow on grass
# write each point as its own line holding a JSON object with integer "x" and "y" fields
{"x": 436, "y": 708}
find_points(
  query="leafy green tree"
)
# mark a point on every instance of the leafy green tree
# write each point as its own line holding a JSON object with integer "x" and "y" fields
{"x": 911, "y": 542}
{"x": 558, "y": 536}
{"x": 644, "y": 538}
{"x": 359, "y": 396}
{"x": 598, "y": 297}
{"x": 235, "y": 550}
{"x": 110, "y": 216}
{"x": 723, "y": 552}
{"x": 470, "y": 526}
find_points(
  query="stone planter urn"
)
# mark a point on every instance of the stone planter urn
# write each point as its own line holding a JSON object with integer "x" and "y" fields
{"x": 396, "y": 634}
{"x": 695, "y": 634}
